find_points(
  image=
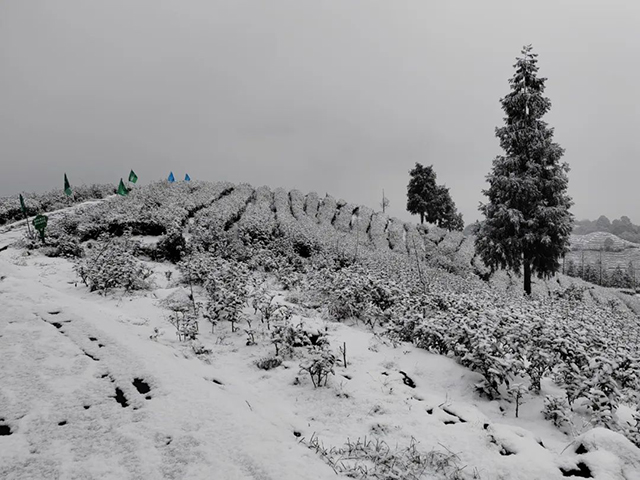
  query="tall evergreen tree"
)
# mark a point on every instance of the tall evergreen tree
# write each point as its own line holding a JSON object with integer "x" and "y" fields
{"x": 431, "y": 201}
{"x": 449, "y": 218}
{"x": 527, "y": 220}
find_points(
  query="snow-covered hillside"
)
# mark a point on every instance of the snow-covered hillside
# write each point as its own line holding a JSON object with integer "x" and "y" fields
{"x": 99, "y": 386}
{"x": 596, "y": 241}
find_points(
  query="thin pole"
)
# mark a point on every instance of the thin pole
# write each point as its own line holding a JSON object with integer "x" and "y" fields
{"x": 600, "y": 266}
{"x": 26, "y": 219}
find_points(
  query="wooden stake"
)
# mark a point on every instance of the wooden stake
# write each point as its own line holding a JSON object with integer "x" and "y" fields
{"x": 344, "y": 353}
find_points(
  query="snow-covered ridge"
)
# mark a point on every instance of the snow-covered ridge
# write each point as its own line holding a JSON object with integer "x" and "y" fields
{"x": 596, "y": 241}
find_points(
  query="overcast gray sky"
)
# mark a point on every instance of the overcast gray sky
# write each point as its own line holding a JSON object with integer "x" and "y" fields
{"x": 334, "y": 96}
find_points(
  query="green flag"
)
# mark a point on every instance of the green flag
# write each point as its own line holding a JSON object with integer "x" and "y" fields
{"x": 67, "y": 187}
{"x": 122, "y": 190}
{"x": 133, "y": 178}
{"x": 22, "y": 205}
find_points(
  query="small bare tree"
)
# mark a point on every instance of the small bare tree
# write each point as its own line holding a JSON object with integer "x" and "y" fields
{"x": 385, "y": 202}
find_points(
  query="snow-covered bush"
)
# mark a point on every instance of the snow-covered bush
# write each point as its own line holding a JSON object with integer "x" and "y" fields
{"x": 212, "y": 224}
{"x": 573, "y": 292}
{"x": 319, "y": 365}
{"x": 535, "y": 352}
{"x": 226, "y": 289}
{"x": 198, "y": 348}
{"x": 60, "y": 238}
{"x": 632, "y": 432}
{"x": 171, "y": 246}
{"x": 197, "y": 264}
{"x": 63, "y": 245}
{"x": 268, "y": 363}
{"x": 602, "y": 393}
{"x": 269, "y": 310}
{"x": 557, "y": 410}
{"x": 505, "y": 338}
{"x": 186, "y": 325}
{"x": 110, "y": 263}
{"x": 179, "y": 300}
{"x": 225, "y": 304}
{"x": 258, "y": 222}
{"x": 287, "y": 335}
{"x": 354, "y": 293}
{"x": 262, "y": 301}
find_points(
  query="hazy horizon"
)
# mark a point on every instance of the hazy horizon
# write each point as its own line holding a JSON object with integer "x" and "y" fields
{"x": 333, "y": 97}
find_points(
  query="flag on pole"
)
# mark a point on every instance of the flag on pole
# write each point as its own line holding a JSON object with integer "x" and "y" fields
{"x": 122, "y": 190}
{"x": 133, "y": 178}
{"x": 187, "y": 178}
{"x": 171, "y": 178}
{"x": 67, "y": 186}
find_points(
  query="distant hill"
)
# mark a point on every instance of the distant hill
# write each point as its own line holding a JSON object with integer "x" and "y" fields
{"x": 622, "y": 227}
{"x": 601, "y": 240}
{"x": 605, "y": 259}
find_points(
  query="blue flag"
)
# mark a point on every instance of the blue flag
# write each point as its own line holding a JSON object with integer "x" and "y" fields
{"x": 171, "y": 178}
{"x": 187, "y": 178}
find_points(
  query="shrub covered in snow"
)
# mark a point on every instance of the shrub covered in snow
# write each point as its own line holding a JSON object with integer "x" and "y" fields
{"x": 268, "y": 363}
{"x": 557, "y": 410}
{"x": 227, "y": 293}
{"x": 319, "y": 365}
{"x": 186, "y": 325}
{"x": 287, "y": 335}
{"x": 109, "y": 263}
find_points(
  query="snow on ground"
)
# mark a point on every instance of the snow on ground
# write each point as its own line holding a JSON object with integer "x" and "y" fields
{"x": 64, "y": 354}
{"x": 87, "y": 394}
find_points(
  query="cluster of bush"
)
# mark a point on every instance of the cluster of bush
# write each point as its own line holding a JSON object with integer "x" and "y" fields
{"x": 35, "y": 203}
{"x": 590, "y": 348}
{"x": 239, "y": 222}
{"x": 224, "y": 237}
{"x": 110, "y": 263}
{"x": 232, "y": 288}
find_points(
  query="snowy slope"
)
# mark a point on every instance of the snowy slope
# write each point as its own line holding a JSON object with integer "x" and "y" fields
{"x": 596, "y": 241}
{"x": 75, "y": 368}
{"x": 64, "y": 353}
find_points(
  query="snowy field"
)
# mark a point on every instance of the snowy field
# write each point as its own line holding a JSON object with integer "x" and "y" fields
{"x": 90, "y": 390}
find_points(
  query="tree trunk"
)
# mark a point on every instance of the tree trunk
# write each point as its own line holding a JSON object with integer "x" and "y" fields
{"x": 527, "y": 276}
{"x": 421, "y": 218}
